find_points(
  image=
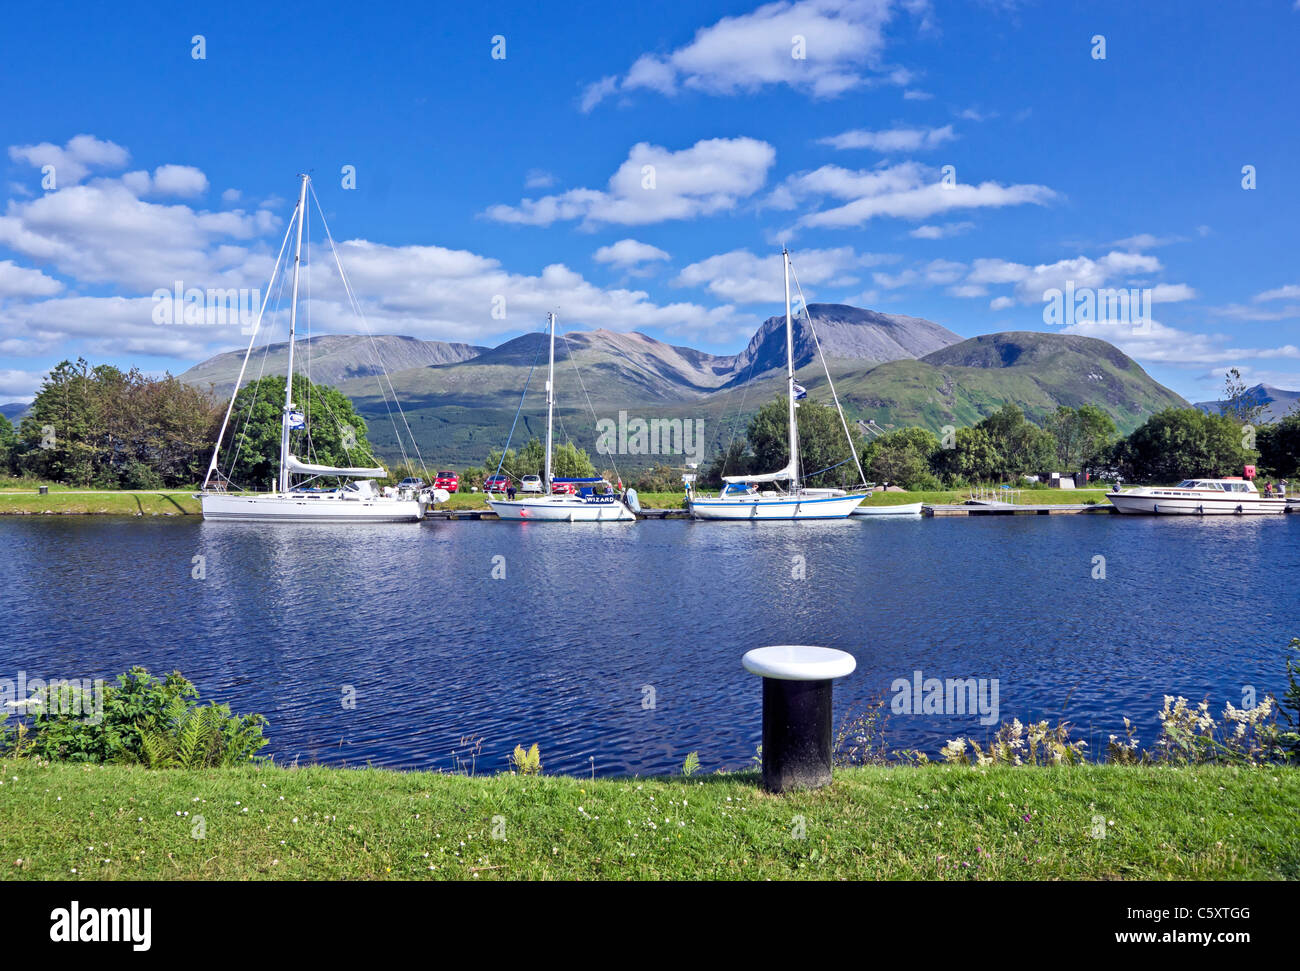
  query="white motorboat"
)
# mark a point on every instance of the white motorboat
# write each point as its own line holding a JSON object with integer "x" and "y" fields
{"x": 584, "y": 504}
{"x": 744, "y": 497}
{"x": 354, "y": 502}
{"x": 902, "y": 509}
{"x": 1231, "y": 496}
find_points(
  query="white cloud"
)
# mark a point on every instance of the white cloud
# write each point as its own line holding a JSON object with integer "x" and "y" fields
{"x": 941, "y": 232}
{"x": 914, "y": 95}
{"x": 655, "y": 184}
{"x": 906, "y": 190}
{"x": 73, "y": 161}
{"x": 19, "y": 386}
{"x": 538, "y": 179}
{"x": 1288, "y": 292}
{"x": 179, "y": 180}
{"x": 843, "y": 39}
{"x": 1001, "y": 303}
{"x": 1159, "y": 343}
{"x": 169, "y": 180}
{"x": 891, "y": 139}
{"x": 231, "y": 195}
{"x": 19, "y": 281}
{"x": 742, "y": 277}
{"x": 1032, "y": 281}
{"x": 1172, "y": 293}
{"x": 628, "y": 253}
{"x": 103, "y": 233}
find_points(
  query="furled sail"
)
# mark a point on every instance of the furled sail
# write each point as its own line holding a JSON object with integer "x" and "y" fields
{"x": 787, "y": 473}
{"x": 295, "y": 465}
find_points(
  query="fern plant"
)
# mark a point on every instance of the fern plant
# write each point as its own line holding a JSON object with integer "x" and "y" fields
{"x": 202, "y": 736}
{"x": 527, "y": 762}
{"x": 692, "y": 763}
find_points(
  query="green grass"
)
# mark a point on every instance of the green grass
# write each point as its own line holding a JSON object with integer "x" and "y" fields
{"x": 69, "y": 501}
{"x": 932, "y": 822}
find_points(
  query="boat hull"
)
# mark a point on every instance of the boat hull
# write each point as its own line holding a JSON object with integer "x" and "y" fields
{"x": 306, "y": 508}
{"x": 1143, "y": 502}
{"x": 903, "y": 509}
{"x": 761, "y": 509}
{"x": 561, "y": 509}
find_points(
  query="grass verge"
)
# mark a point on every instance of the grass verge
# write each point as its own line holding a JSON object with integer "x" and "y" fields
{"x": 930, "y": 822}
{"x": 72, "y": 503}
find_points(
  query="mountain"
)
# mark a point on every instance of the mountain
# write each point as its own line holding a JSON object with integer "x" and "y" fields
{"x": 962, "y": 383}
{"x": 334, "y": 358}
{"x": 461, "y": 401}
{"x": 13, "y": 409}
{"x": 1276, "y": 401}
{"x": 845, "y": 333}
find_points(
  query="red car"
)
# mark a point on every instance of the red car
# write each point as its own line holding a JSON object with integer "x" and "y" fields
{"x": 447, "y": 480}
{"x": 496, "y": 483}
{"x": 563, "y": 489}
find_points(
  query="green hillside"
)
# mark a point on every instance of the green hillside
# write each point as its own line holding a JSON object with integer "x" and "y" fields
{"x": 473, "y": 405}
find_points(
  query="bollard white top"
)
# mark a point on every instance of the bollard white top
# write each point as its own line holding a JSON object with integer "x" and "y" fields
{"x": 798, "y": 662}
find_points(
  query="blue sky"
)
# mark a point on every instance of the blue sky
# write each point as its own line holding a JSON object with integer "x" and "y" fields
{"x": 523, "y": 177}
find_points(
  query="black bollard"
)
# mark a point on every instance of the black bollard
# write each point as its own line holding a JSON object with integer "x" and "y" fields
{"x": 797, "y": 713}
{"x": 796, "y": 734}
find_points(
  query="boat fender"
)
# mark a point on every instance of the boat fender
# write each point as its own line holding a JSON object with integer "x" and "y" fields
{"x": 441, "y": 495}
{"x": 633, "y": 502}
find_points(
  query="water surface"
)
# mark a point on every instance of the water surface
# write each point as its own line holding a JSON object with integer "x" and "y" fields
{"x": 617, "y": 647}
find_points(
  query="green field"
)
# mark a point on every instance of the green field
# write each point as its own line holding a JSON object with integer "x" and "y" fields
{"x": 65, "y": 821}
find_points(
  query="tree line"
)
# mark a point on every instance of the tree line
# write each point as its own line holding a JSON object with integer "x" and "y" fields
{"x": 1173, "y": 444}
{"x": 104, "y": 428}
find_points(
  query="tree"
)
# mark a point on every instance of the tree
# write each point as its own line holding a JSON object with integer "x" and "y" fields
{"x": 111, "y": 428}
{"x": 335, "y": 433}
{"x": 1019, "y": 446}
{"x": 8, "y": 446}
{"x": 973, "y": 457}
{"x": 735, "y": 459}
{"x": 57, "y": 432}
{"x": 902, "y": 456}
{"x": 825, "y": 455}
{"x": 567, "y": 462}
{"x": 571, "y": 462}
{"x": 1083, "y": 436}
{"x": 1279, "y": 447}
{"x": 1238, "y": 403}
{"x": 1180, "y": 443}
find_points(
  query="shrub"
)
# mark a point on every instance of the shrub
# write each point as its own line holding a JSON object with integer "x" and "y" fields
{"x": 144, "y": 720}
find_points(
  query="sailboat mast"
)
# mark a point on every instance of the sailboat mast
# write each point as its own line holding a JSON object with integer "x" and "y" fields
{"x": 550, "y": 404}
{"x": 789, "y": 359}
{"x": 293, "y": 322}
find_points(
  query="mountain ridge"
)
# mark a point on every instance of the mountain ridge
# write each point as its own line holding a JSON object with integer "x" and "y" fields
{"x": 894, "y": 369}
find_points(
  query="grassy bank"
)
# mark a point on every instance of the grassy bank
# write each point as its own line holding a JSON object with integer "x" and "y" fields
{"x": 931, "y": 822}
{"x": 162, "y": 502}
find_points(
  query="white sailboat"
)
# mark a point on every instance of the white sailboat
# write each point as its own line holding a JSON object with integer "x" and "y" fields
{"x": 584, "y": 505}
{"x": 356, "y": 501}
{"x": 742, "y": 496}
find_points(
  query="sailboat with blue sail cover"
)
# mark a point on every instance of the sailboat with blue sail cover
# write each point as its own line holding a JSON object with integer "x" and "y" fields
{"x": 779, "y": 495}
{"x": 584, "y": 504}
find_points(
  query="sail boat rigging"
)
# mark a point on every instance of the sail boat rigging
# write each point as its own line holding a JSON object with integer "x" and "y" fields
{"x": 357, "y": 501}
{"x": 585, "y": 505}
{"x": 741, "y": 496}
